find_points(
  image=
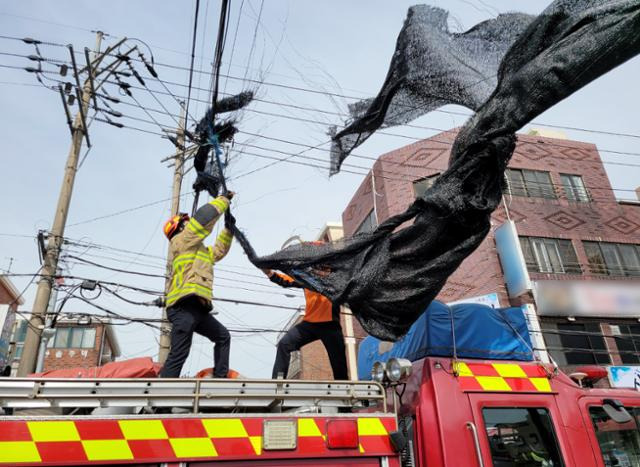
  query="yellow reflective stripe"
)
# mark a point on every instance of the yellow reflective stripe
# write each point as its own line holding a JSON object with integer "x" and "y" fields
{"x": 143, "y": 429}
{"x": 107, "y": 449}
{"x": 187, "y": 259}
{"x": 371, "y": 427}
{"x": 219, "y": 204}
{"x": 462, "y": 369}
{"x": 225, "y": 237}
{"x": 509, "y": 370}
{"x": 197, "y": 228}
{"x": 193, "y": 447}
{"x": 308, "y": 427}
{"x": 53, "y": 431}
{"x": 19, "y": 451}
{"x": 225, "y": 428}
{"x": 188, "y": 288}
{"x": 541, "y": 384}
{"x": 493, "y": 383}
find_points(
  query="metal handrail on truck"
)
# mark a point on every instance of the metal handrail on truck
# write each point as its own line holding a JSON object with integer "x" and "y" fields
{"x": 194, "y": 395}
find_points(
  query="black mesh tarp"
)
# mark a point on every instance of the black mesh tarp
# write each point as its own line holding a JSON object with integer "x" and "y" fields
{"x": 431, "y": 67}
{"x": 389, "y": 277}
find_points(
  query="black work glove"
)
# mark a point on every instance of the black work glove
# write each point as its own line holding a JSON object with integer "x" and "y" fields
{"x": 229, "y": 220}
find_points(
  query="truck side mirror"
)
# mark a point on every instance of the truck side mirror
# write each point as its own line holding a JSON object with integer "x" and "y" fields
{"x": 616, "y": 411}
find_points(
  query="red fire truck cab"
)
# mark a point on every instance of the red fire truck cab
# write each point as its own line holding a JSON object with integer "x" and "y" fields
{"x": 505, "y": 413}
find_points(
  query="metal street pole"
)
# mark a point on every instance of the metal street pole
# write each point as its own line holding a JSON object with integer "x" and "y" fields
{"x": 50, "y": 266}
{"x": 178, "y": 174}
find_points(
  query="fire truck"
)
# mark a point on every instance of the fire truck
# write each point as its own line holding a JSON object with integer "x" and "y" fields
{"x": 432, "y": 412}
{"x": 455, "y": 410}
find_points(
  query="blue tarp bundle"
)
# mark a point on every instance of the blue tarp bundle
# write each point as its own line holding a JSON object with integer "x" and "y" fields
{"x": 480, "y": 332}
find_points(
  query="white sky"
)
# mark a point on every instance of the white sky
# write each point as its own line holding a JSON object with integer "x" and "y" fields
{"x": 330, "y": 46}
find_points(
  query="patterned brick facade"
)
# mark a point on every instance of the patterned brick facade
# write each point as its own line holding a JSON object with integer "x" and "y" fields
{"x": 603, "y": 218}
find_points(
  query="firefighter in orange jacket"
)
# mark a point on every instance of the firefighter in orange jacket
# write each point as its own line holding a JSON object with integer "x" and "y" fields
{"x": 321, "y": 321}
{"x": 190, "y": 291}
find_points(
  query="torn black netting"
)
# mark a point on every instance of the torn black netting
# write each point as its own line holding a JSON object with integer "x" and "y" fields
{"x": 389, "y": 276}
{"x": 210, "y": 133}
{"x": 430, "y": 67}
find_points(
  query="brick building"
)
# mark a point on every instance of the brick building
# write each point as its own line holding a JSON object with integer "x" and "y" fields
{"x": 75, "y": 344}
{"x": 10, "y": 299}
{"x": 574, "y": 237}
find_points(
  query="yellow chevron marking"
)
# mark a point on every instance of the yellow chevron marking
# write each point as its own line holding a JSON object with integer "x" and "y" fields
{"x": 193, "y": 447}
{"x": 371, "y": 427}
{"x": 462, "y": 369}
{"x": 107, "y": 449}
{"x": 509, "y": 370}
{"x": 493, "y": 383}
{"x": 308, "y": 427}
{"x": 18, "y": 451}
{"x": 225, "y": 428}
{"x": 143, "y": 429}
{"x": 53, "y": 431}
{"x": 256, "y": 442}
{"x": 541, "y": 384}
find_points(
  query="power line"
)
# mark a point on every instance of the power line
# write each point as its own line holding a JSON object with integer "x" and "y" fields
{"x": 326, "y": 93}
{"x": 253, "y": 41}
{"x": 382, "y": 132}
{"x": 193, "y": 52}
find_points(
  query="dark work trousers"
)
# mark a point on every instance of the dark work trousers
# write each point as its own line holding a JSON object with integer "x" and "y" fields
{"x": 189, "y": 316}
{"x": 330, "y": 333}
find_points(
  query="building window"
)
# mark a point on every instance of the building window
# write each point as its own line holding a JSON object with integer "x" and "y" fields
{"x": 368, "y": 224}
{"x": 422, "y": 185}
{"x": 550, "y": 255}
{"x": 530, "y": 183}
{"x": 576, "y": 343}
{"x": 613, "y": 259}
{"x": 574, "y": 188}
{"x": 17, "y": 353}
{"x": 82, "y": 338}
{"x": 21, "y": 331}
{"x": 628, "y": 342}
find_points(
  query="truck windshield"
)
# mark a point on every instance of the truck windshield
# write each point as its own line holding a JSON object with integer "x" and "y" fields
{"x": 522, "y": 437}
{"x": 619, "y": 442}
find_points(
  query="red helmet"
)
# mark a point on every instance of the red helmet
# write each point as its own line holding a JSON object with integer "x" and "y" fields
{"x": 172, "y": 226}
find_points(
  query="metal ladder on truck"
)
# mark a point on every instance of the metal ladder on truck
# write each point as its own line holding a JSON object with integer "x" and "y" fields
{"x": 64, "y": 396}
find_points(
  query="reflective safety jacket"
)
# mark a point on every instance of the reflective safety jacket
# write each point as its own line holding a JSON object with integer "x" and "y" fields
{"x": 318, "y": 309}
{"x": 192, "y": 271}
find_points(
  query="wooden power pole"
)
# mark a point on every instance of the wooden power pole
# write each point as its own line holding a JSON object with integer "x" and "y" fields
{"x": 178, "y": 174}
{"x": 50, "y": 264}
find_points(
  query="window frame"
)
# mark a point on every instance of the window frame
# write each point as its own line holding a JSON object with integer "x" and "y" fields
{"x": 71, "y": 335}
{"x": 529, "y": 184}
{"x": 572, "y": 191}
{"x": 431, "y": 179}
{"x": 540, "y": 254}
{"x": 628, "y": 343}
{"x": 598, "y": 258}
{"x": 557, "y": 337}
{"x": 373, "y": 223}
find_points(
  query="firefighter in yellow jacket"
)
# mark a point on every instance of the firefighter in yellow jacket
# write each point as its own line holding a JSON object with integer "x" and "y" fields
{"x": 190, "y": 291}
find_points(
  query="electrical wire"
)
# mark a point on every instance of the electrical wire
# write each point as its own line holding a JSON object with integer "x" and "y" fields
{"x": 193, "y": 51}
{"x": 297, "y": 88}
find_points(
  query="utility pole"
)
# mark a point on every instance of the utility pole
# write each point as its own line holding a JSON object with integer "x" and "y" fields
{"x": 178, "y": 174}
{"x": 79, "y": 132}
